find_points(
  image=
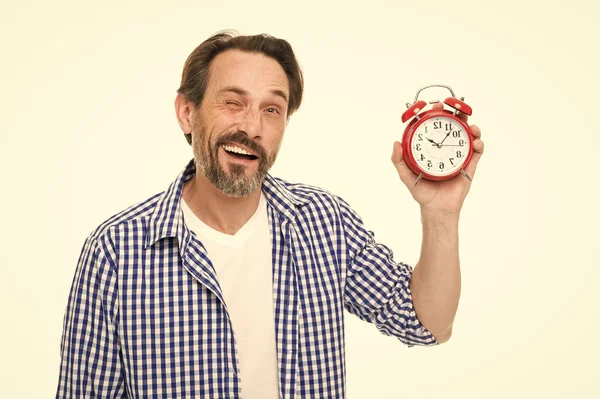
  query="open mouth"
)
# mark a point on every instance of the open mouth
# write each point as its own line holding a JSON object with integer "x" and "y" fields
{"x": 238, "y": 152}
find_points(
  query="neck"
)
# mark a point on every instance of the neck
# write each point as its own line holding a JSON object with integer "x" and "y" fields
{"x": 217, "y": 210}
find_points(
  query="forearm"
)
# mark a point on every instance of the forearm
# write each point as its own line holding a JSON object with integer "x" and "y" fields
{"x": 436, "y": 281}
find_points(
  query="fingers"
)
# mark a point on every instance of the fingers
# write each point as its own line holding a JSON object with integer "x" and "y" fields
{"x": 478, "y": 146}
{"x": 477, "y": 152}
{"x": 475, "y": 131}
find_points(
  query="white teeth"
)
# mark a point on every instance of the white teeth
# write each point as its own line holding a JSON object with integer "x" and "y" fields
{"x": 237, "y": 150}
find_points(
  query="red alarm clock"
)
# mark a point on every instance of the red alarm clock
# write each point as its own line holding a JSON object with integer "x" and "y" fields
{"x": 437, "y": 144}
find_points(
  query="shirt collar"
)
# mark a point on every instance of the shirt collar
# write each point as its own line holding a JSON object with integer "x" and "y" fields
{"x": 166, "y": 220}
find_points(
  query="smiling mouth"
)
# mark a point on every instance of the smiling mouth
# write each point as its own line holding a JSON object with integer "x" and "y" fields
{"x": 238, "y": 152}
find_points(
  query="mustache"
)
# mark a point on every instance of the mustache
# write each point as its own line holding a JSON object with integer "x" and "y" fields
{"x": 243, "y": 139}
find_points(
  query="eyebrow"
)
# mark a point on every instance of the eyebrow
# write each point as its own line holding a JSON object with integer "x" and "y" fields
{"x": 242, "y": 92}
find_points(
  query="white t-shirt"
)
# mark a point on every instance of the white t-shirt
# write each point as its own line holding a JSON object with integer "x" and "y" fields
{"x": 244, "y": 269}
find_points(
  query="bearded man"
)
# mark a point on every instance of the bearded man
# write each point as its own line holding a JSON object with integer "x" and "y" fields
{"x": 233, "y": 283}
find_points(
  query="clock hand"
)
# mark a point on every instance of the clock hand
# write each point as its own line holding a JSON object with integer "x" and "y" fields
{"x": 448, "y": 134}
{"x": 448, "y": 145}
{"x": 431, "y": 141}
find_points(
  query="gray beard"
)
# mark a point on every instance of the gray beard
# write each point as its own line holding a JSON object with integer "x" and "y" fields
{"x": 235, "y": 183}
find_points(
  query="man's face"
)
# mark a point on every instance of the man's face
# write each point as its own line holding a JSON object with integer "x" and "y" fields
{"x": 239, "y": 126}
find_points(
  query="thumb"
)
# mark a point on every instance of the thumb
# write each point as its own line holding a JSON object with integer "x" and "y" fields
{"x": 406, "y": 174}
{"x": 397, "y": 154}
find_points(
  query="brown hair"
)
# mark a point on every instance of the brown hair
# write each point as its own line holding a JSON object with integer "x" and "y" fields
{"x": 194, "y": 78}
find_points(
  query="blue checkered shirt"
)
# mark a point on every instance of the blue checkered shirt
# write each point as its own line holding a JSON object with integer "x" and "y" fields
{"x": 146, "y": 316}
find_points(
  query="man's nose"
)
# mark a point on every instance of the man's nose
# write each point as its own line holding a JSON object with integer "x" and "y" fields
{"x": 251, "y": 123}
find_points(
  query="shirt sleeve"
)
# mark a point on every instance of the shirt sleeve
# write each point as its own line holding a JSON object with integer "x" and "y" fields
{"x": 90, "y": 364}
{"x": 377, "y": 288}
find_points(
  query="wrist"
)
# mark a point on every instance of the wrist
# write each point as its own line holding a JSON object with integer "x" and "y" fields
{"x": 436, "y": 217}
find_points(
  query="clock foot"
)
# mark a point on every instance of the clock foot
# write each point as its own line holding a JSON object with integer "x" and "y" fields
{"x": 466, "y": 175}
{"x": 418, "y": 179}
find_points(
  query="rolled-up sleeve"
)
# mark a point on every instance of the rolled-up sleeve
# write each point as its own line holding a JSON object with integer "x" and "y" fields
{"x": 90, "y": 365}
{"x": 377, "y": 288}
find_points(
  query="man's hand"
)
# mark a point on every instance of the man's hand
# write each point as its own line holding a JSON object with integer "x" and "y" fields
{"x": 443, "y": 198}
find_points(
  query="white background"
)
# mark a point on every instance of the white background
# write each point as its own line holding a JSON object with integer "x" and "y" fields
{"x": 88, "y": 128}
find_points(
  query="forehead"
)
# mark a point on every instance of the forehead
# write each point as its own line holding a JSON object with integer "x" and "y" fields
{"x": 253, "y": 72}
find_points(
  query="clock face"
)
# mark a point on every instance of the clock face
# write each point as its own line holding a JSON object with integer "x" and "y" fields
{"x": 440, "y": 145}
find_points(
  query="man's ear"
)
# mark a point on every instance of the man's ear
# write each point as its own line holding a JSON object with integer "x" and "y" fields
{"x": 184, "y": 111}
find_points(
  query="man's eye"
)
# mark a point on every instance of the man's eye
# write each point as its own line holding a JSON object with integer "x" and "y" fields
{"x": 272, "y": 110}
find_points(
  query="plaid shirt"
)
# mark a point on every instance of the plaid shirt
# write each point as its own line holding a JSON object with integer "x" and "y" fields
{"x": 146, "y": 317}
